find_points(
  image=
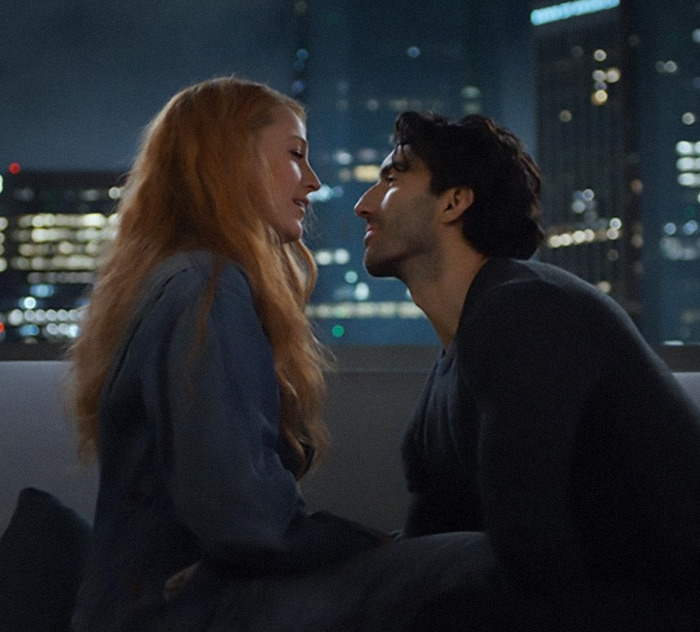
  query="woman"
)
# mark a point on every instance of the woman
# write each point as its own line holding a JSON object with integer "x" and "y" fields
{"x": 198, "y": 387}
{"x": 198, "y": 381}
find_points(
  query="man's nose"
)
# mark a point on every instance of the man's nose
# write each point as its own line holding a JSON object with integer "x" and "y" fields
{"x": 362, "y": 205}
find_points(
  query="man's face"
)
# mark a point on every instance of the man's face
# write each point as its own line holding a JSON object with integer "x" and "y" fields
{"x": 400, "y": 212}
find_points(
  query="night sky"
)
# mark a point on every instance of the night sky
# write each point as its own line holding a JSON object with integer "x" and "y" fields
{"x": 81, "y": 78}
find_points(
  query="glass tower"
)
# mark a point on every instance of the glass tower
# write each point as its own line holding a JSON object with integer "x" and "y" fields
{"x": 618, "y": 92}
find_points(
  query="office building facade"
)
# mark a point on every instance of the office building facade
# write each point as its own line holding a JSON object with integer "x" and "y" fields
{"x": 53, "y": 229}
{"x": 616, "y": 106}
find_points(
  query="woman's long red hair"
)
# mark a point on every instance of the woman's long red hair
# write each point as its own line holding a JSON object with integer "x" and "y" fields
{"x": 199, "y": 183}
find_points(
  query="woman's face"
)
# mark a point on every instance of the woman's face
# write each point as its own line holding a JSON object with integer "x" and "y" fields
{"x": 283, "y": 144}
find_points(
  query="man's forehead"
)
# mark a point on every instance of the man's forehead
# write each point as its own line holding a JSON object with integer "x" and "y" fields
{"x": 401, "y": 156}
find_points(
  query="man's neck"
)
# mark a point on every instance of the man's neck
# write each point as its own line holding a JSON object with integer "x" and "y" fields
{"x": 442, "y": 296}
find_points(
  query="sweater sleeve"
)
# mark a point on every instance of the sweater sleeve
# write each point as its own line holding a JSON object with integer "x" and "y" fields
{"x": 216, "y": 396}
{"x": 528, "y": 358}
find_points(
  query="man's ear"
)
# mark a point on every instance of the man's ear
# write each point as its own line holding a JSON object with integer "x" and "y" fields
{"x": 455, "y": 202}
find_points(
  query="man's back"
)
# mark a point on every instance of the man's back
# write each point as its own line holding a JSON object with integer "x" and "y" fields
{"x": 551, "y": 424}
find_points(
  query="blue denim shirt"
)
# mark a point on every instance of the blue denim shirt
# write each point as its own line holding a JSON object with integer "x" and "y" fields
{"x": 193, "y": 466}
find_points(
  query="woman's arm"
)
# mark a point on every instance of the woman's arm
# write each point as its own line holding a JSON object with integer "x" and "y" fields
{"x": 219, "y": 442}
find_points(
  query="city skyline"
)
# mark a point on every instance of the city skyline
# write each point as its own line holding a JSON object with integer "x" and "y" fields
{"x": 611, "y": 209}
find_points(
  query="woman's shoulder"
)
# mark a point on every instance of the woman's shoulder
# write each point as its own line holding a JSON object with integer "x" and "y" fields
{"x": 194, "y": 269}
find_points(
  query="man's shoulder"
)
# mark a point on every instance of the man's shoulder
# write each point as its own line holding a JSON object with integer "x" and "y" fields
{"x": 531, "y": 300}
{"x": 514, "y": 284}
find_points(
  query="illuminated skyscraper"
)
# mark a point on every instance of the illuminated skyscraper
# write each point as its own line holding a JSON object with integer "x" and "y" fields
{"x": 617, "y": 100}
{"x": 587, "y": 144}
{"x": 668, "y": 110}
{"x": 52, "y": 227}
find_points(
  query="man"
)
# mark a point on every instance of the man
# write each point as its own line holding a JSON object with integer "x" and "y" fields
{"x": 547, "y": 421}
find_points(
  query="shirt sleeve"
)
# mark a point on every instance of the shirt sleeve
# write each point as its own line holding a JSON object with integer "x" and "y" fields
{"x": 219, "y": 438}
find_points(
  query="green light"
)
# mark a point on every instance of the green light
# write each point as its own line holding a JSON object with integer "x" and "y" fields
{"x": 338, "y": 331}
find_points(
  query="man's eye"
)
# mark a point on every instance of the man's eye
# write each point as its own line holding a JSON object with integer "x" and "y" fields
{"x": 298, "y": 154}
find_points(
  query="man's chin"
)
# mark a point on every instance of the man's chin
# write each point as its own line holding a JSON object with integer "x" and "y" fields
{"x": 378, "y": 268}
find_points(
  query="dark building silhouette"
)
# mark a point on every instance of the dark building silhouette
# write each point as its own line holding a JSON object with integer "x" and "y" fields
{"x": 618, "y": 88}
{"x": 53, "y": 226}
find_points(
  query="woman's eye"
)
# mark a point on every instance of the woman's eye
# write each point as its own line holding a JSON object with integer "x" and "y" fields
{"x": 298, "y": 154}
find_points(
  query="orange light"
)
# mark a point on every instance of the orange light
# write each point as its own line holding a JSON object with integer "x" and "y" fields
{"x": 15, "y": 168}
{"x": 2, "y": 327}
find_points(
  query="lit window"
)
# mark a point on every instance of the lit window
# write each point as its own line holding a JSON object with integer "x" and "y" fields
{"x": 688, "y": 118}
{"x": 323, "y": 194}
{"x": 471, "y": 92}
{"x": 341, "y": 256}
{"x": 684, "y": 148}
{"x": 366, "y": 173}
{"x": 367, "y": 154}
{"x": 691, "y": 227}
{"x": 323, "y": 257}
{"x": 613, "y": 75}
{"x": 342, "y": 157}
{"x": 685, "y": 164}
{"x": 599, "y": 97}
{"x": 361, "y": 292}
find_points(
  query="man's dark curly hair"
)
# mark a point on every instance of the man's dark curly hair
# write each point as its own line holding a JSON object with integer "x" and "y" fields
{"x": 477, "y": 153}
